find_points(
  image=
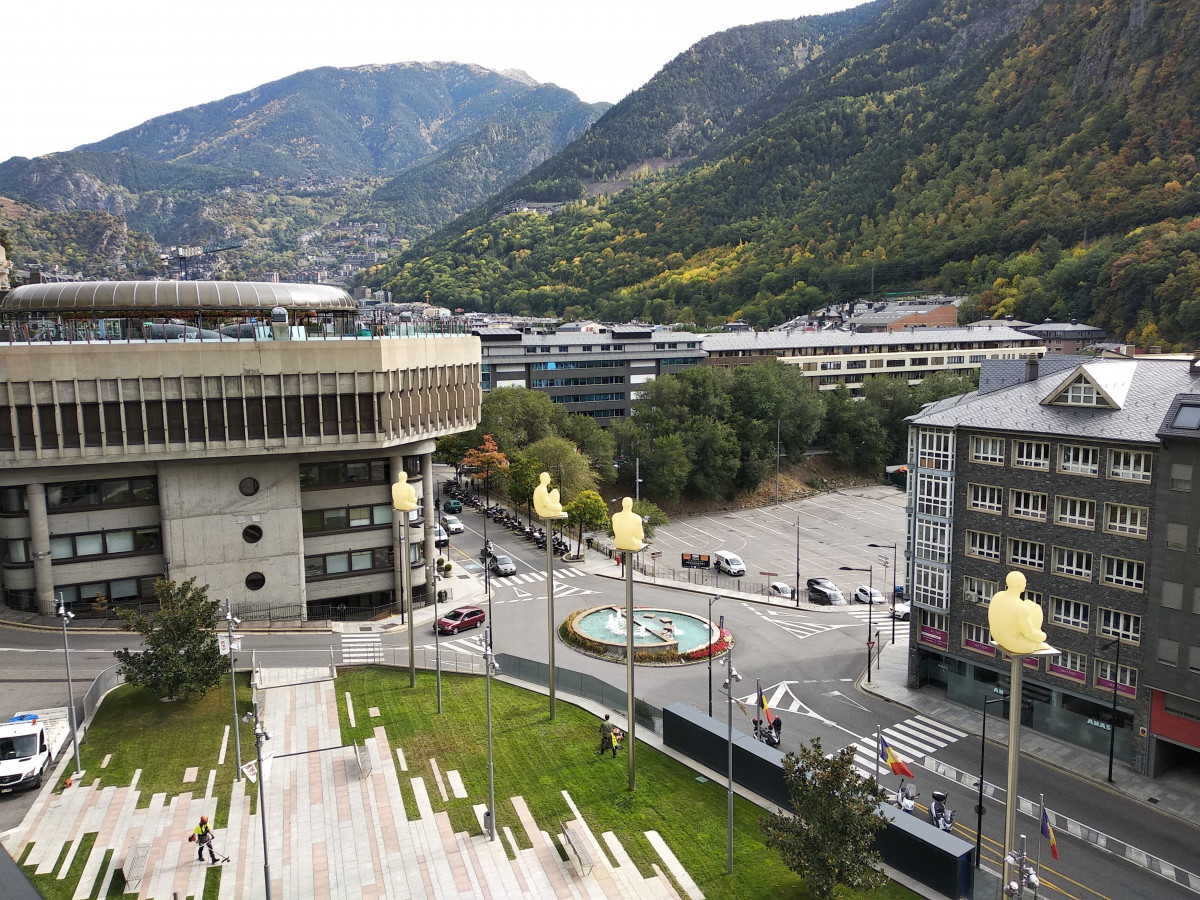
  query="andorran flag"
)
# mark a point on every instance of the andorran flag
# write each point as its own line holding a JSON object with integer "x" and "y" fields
{"x": 762, "y": 705}
{"x": 1048, "y": 832}
{"x": 894, "y": 762}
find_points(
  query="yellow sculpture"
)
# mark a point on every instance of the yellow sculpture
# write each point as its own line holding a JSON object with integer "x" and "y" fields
{"x": 1016, "y": 623}
{"x": 545, "y": 501}
{"x": 404, "y": 498}
{"x": 627, "y": 527}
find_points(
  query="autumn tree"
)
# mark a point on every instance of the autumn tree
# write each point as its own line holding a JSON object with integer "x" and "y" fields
{"x": 485, "y": 461}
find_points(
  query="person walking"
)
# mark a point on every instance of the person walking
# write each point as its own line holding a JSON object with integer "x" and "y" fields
{"x": 204, "y": 838}
{"x": 606, "y": 736}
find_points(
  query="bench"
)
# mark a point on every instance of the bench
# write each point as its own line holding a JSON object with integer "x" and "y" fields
{"x": 134, "y": 866}
{"x": 578, "y": 848}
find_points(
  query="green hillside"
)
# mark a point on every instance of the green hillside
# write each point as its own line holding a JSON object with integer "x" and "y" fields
{"x": 1036, "y": 155}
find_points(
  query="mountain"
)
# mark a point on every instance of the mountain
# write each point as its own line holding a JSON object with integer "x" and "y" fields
{"x": 1037, "y": 155}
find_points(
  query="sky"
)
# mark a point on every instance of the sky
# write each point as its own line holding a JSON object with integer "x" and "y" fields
{"x": 78, "y": 71}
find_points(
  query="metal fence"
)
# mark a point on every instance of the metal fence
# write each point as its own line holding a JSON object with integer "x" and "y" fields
{"x": 644, "y": 562}
{"x": 105, "y": 682}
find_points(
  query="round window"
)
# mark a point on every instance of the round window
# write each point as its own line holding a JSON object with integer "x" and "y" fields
{"x": 255, "y": 580}
{"x": 248, "y": 486}
{"x": 251, "y": 534}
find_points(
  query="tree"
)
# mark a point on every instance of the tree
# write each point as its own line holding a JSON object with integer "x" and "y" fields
{"x": 651, "y": 515}
{"x": 667, "y": 467}
{"x": 587, "y": 512}
{"x": 522, "y": 478}
{"x": 181, "y": 654}
{"x": 828, "y": 840}
{"x": 570, "y": 469}
{"x": 485, "y": 460}
{"x": 517, "y": 417}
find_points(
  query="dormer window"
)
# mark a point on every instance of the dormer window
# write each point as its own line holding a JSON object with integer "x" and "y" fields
{"x": 1082, "y": 393}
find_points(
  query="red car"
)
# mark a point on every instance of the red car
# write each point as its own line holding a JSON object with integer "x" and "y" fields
{"x": 458, "y": 619}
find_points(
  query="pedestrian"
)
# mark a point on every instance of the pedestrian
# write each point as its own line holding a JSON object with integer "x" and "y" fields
{"x": 606, "y": 736}
{"x": 204, "y": 838}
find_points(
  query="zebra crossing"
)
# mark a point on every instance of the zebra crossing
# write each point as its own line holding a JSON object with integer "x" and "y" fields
{"x": 878, "y": 614}
{"x": 799, "y": 625}
{"x": 913, "y": 740}
{"x": 362, "y": 649}
{"x": 536, "y": 576}
{"x": 470, "y": 645}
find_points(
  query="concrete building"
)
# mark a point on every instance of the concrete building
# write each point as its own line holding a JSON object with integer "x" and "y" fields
{"x": 242, "y": 434}
{"x": 1066, "y": 475}
{"x": 836, "y": 357}
{"x": 1066, "y": 337}
{"x": 593, "y": 370}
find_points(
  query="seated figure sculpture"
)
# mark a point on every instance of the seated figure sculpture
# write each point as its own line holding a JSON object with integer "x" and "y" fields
{"x": 404, "y": 498}
{"x": 627, "y": 527}
{"x": 1016, "y": 623}
{"x": 545, "y": 501}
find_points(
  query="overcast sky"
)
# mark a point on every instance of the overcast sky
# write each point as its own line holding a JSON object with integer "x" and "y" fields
{"x": 78, "y": 71}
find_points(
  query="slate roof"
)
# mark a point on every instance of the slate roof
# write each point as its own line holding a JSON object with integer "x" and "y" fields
{"x": 997, "y": 374}
{"x": 1153, "y": 387}
{"x": 1181, "y": 428}
{"x": 780, "y": 340}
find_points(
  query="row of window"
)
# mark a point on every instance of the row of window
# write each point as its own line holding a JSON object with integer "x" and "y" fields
{"x": 354, "y": 562}
{"x": 1073, "y": 459}
{"x": 84, "y": 495}
{"x": 1063, "y": 611}
{"x": 588, "y": 398}
{"x": 585, "y": 348}
{"x": 1067, "y": 664}
{"x": 1168, "y": 655}
{"x": 576, "y": 382}
{"x": 1068, "y": 562}
{"x": 340, "y": 474}
{"x": 90, "y": 544}
{"x": 586, "y": 364}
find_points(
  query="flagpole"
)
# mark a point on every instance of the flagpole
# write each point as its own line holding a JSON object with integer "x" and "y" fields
{"x": 878, "y": 752}
{"x": 1041, "y": 818}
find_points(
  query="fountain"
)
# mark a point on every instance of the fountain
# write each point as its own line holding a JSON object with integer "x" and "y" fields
{"x": 657, "y": 633}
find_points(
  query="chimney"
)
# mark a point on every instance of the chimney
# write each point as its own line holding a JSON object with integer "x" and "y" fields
{"x": 1031, "y": 367}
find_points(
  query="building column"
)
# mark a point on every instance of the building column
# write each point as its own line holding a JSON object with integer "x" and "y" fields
{"x": 430, "y": 499}
{"x": 39, "y": 548}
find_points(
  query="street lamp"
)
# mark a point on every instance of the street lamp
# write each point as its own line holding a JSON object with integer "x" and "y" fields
{"x": 711, "y": 600}
{"x": 489, "y": 666}
{"x": 1024, "y": 875}
{"x": 404, "y": 501}
{"x": 797, "y": 562}
{"x": 1112, "y": 732}
{"x": 979, "y": 806}
{"x": 260, "y": 735}
{"x": 728, "y": 688}
{"x": 66, "y": 615}
{"x": 870, "y": 570}
{"x": 230, "y": 621}
{"x": 892, "y": 547}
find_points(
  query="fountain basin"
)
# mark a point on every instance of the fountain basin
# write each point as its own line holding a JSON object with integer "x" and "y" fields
{"x": 659, "y": 635}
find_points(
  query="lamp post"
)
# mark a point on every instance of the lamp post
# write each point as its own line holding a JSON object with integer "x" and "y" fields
{"x": 489, "y": 665}
{"x": 230, "y": 621}
{"x": 260, "y": 735}
{"x": 728, "y": 686}
{"x": 1112, "y": 732}
{"x": 404, "y": 501}
{"x": 892, "y": 547}
{"x": 797, "y": 562}
{"x": 870, "y": 570}
{"x": 979, "y": 806}
{"x": 66, "y": 615}
{"x": 711, "y": 600}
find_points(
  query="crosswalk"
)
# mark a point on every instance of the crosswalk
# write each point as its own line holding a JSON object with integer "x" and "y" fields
{"x": 536, "y": 576}
{"x": 362, "y": 649}
{"x": 472, "y": 645}
{"x": 799, "y": 625}
{"x": 879, "y": 613}
{"x": 913, "y": 740}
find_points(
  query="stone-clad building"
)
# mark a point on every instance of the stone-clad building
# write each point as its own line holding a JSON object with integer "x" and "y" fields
{"x": 244, "y": 434}
{"x": 1072, "y": 478}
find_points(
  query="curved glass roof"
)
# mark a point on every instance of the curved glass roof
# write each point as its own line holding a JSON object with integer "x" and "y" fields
{"x": 114, "y": 296}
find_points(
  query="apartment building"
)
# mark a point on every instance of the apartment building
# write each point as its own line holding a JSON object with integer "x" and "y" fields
{"x": 1080, "y": 479}
{"x": 242, "y": 434}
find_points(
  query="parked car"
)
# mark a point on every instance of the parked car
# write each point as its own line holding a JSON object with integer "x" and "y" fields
{"x": 453, "y": 524}
{"x": 729, "y": 563}
{"x": 460, "y": 619}
{"x": 452, "y": 506}
{"x": 780, "y": 589}
{"x": 502, "y": 565}
{"x": 865, "y": 594}
{"x": 825, "y": 592}
{"x": 900, "y": 611}
{"x": 440, "y": 537}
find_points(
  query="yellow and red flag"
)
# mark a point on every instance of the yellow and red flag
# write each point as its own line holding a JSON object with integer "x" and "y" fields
{"x": 894, "y": 762}
{"x": 1048, "y": 832}
{"x": 762, "y": 705}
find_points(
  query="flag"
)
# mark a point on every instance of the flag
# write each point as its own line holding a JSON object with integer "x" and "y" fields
{"x": 1048, "y": 832}
{"x": 762, "y": 705}
{"x": 894, "y": 762}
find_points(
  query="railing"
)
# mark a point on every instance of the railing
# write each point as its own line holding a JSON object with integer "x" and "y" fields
{"x": 104, "y": 682}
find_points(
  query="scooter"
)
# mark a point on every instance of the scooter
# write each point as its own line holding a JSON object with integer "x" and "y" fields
{"x": 766, "y": 733}
{"x": 938, "y": 814}
{"x": 906, "y": 797}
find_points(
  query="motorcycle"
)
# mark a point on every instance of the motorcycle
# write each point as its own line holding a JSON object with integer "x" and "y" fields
{"x": 906, "y": 797}
{"x": 938, "y": 814}
{"x": 766, "y": 733}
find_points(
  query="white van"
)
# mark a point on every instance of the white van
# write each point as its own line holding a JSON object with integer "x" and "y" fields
{"x": 729, "y": 563}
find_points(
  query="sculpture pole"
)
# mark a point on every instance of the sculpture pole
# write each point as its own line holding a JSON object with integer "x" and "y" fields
{"x": 404, "y": 501}
{"x": 549, "y": 509}
{"x": 1014, "y": 758}
{"x": 627, "y": 535}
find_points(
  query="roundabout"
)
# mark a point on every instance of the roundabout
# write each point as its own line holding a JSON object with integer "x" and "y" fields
{"x": 660, "y": 636}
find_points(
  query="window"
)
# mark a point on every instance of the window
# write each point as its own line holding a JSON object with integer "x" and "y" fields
{"x": 255, "y": 581}
{"x": 1027, "y": 554}
{"x": 933, "y": 495}
{"x": 1168, "y": 652}
{"x": 1075, "y": 459}
{"x": 118, "y": 492}
{"x": 316, "y": 521}
{"x": 933, "y": 541}
{"x": 1126, "y": 677}
{"x": 101, "y": 543}
{"x": 983, "y": 545}
{"x": 935, "y": 628}
{"x": 332, "y": 474}
{"x": 955, "y": 360}
{"x": 1129, "y": 465}
{"x": 987, "y": 450}
{"x": 1031, "y": 455}
{"x": 248, "y": 486}
{"x": 935, "y": 449}
{"x": 1072, "y": 563}
{"x": 1181, "y": 477}
{"x": 1123, "y": 573}
{"x": 978, "y": 590}
{"x": 1126, "y": 626}
{"x": 1194, "y": 660}
{"x": 1172, "y": 595}
{"x": 978, "y": 638}
{"x": 1027, "y": 505}
{"x": 1075, "y": 512}
{"x": 931, "y": 586}
{"x": 1176, "y": 536}
{"x": 986, "y": 498}
{"x": 1069, "y": 664}
{"x": 1122, "y": 519}
{"x": 1070, "y": 613}
{"x": 1083, "y": 393}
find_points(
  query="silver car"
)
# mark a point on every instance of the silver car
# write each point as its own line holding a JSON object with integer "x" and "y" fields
{"x": 502, "y": 565}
